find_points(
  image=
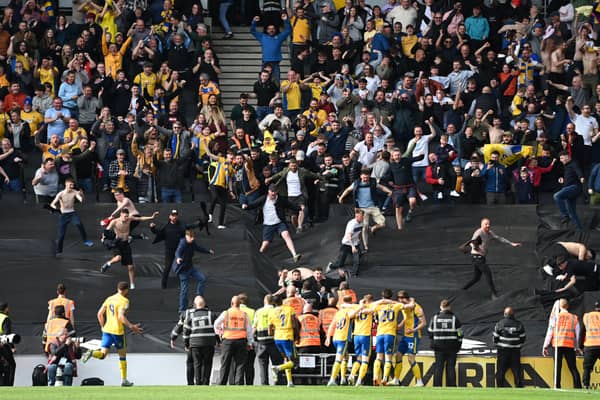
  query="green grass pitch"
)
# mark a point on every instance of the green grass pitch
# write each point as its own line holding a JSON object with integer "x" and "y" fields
{"x": 283, "y": 393}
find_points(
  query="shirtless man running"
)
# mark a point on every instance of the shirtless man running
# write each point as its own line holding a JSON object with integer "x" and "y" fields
{"x": 122, "y": 251}
{"x": 65, "y": 201}
{"x": 125, "y": 202}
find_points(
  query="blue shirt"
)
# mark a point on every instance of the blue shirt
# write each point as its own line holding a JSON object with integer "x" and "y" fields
{"x": 271, "y": 45}
{"x": 66, "y": 93}
{"x": 363, "y": 195}
{"x": 57, "y": 127}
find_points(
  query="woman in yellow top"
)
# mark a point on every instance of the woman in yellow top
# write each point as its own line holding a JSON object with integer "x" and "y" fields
{"x": 221, "y": 183}
{"x": 106, "y": 14}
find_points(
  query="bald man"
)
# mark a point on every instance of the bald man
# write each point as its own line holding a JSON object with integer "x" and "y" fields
{"x": 509, "y": 336}
{"x": 200, "y": 339}
{"x": 235, "y": 330}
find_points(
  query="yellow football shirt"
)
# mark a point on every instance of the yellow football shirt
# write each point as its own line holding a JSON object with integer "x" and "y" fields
{"x": 411, "y": 319}
{"x": 341, "y": 324}
{"x": 113, "y": 306}
{"x": 282, "y": 318}
{"x": 387, "y": 317}
{"x": 363, "y": 323}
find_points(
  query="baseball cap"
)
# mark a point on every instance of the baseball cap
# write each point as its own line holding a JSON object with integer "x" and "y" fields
{"x": 27, "y": 100}
{"x": 300, "y": 155}
{"x": 174, "y": 212}
{"x": 120, "y": 151}
{"x": 300, "y": 133}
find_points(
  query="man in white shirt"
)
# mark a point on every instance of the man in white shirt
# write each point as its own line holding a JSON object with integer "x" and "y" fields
{"x": 350, "y": 244}
{"x": 366, "y": 151}
{"x": 587, "y": 127}
{"x": 273, "y": 209}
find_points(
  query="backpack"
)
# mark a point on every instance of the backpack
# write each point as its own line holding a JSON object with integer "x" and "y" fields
{"x": 92, "y": 382}
{"x": 39, "y": 376}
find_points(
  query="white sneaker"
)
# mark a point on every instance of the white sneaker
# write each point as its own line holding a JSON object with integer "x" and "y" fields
{"x": 394, "y": 382}
{"x": 419, "y": 383}
{"x": 358, "y": 383}
{"x": 221, "y": 227}
{"x": 290, "y": 384}
{"x": 351, "y": 380}
{"x": 454, "y": 193}
{"x": 209, "y": 218}
{"x": 343, "y": 382}
{"x": 548, "y": 269}
{"x": 86, "y": 356}
{"x": 331, "y": 383}
{"x": 440, "y": 196}
{"x": 274, "y": 372}
{"x": 126, "y": 383}
{"x": 423, "y": 197}
{"x": 132, "y": 286}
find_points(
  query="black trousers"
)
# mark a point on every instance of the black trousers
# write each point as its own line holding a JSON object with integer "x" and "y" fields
{"x": 346, "y": 251}
{"x": 8, "y": 376}
{"x": 169, "y": 257}
{"x": 445, "y": 359}
{"x": 202, "y": 358}
{"x": 248, "y": 370}
{"x": 480, "y": 267}
{"x": 508, "y": 359}
{"x": 234, "y": 352}
{"x": 189, "y": 369}
{"x": 219, "y": 195}
{"x": 590, "y": 356}
{"x": 265, "y": 351}
{"x": 568, "y": 354}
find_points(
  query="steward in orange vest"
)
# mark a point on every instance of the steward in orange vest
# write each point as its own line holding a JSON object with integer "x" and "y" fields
{"x": 310, "y": 332}
{"x": 54, "y": 327}
{"x": 591, "y": 344}
{"x": 563, "y": 334}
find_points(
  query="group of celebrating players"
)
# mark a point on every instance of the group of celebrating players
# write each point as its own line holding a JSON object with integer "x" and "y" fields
{"x": 394, "y": 325}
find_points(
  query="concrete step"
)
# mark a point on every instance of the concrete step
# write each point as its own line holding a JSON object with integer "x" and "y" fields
{"x": 217, "y": 29}
{"x": 248, "y": 75}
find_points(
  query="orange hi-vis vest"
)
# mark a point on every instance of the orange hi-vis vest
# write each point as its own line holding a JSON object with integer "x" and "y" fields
{"x": 54, "y": 327}
{"x": 565, "y": 330}
{"x": 591, "y": 321}
{"x": 326, "y": 316}
{"x": 60, "y": 301}
{"x": 309, "y": 330}
{"x": 234, "y": 324}
{"x": 297, "y": 303}
{"x": 346, "y": 292}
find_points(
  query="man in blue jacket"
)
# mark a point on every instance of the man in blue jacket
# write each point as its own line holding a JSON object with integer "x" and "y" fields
{"x": 271, "y": 42}
{"x": 495, "y": 176}
{"x": 183, "y": 266}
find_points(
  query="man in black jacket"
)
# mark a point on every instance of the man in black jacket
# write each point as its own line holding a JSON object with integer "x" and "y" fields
{"x": 509, "y": 336}
{"x": 183, "y": 266}
{"x": 7, "y": 376}
{"x": 446, "y": 339}
{"x": 172, "y": 232}
{"x": 199, "y": 339}
{"x": 170, "y": 176}
{"x": 566, "y": 198}
{"x": 273, "y": 209}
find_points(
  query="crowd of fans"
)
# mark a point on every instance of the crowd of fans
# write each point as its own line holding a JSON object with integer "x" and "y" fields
{"x": 411, "y": 92}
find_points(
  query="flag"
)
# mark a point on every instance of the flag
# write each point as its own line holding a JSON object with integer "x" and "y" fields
{"x": 509, "y": 154}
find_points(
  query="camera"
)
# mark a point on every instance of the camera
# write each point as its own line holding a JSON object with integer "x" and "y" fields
{"x": 13, "y": 338}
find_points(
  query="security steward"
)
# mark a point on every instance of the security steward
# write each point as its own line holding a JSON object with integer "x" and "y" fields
{"x": 591, "y": 344}
{"x": 325, "y": 317}
{"x": 566, "y": 340}
{"x": 509, "y": 336}
{"x": 199, "y": 339}
{"x": 249, "y": 367}
{"x": 235, "y": 330}
{"x": 189, "y": 363}
{"x": 446, "y": 339}
{"x": 265, "y": 343}
{"x": 310, "y": 332}
{"x": 62, "y": 300}
{"x": 55, "y": 326}
{"x": 7, "y": 376}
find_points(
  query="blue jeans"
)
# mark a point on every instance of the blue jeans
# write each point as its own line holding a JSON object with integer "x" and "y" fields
{"x": 262, "y": 112}
{"x": 86, "y": 184}
{"x": 566, "y": 200}
{"x": 63, "y": 221}
{"x": 14, "y": 185}
{"x": 170, "y": 195}
{"x": 67, "y": 374}
{"x": 223, "y": 15}
{"x": 184, "y": 281}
